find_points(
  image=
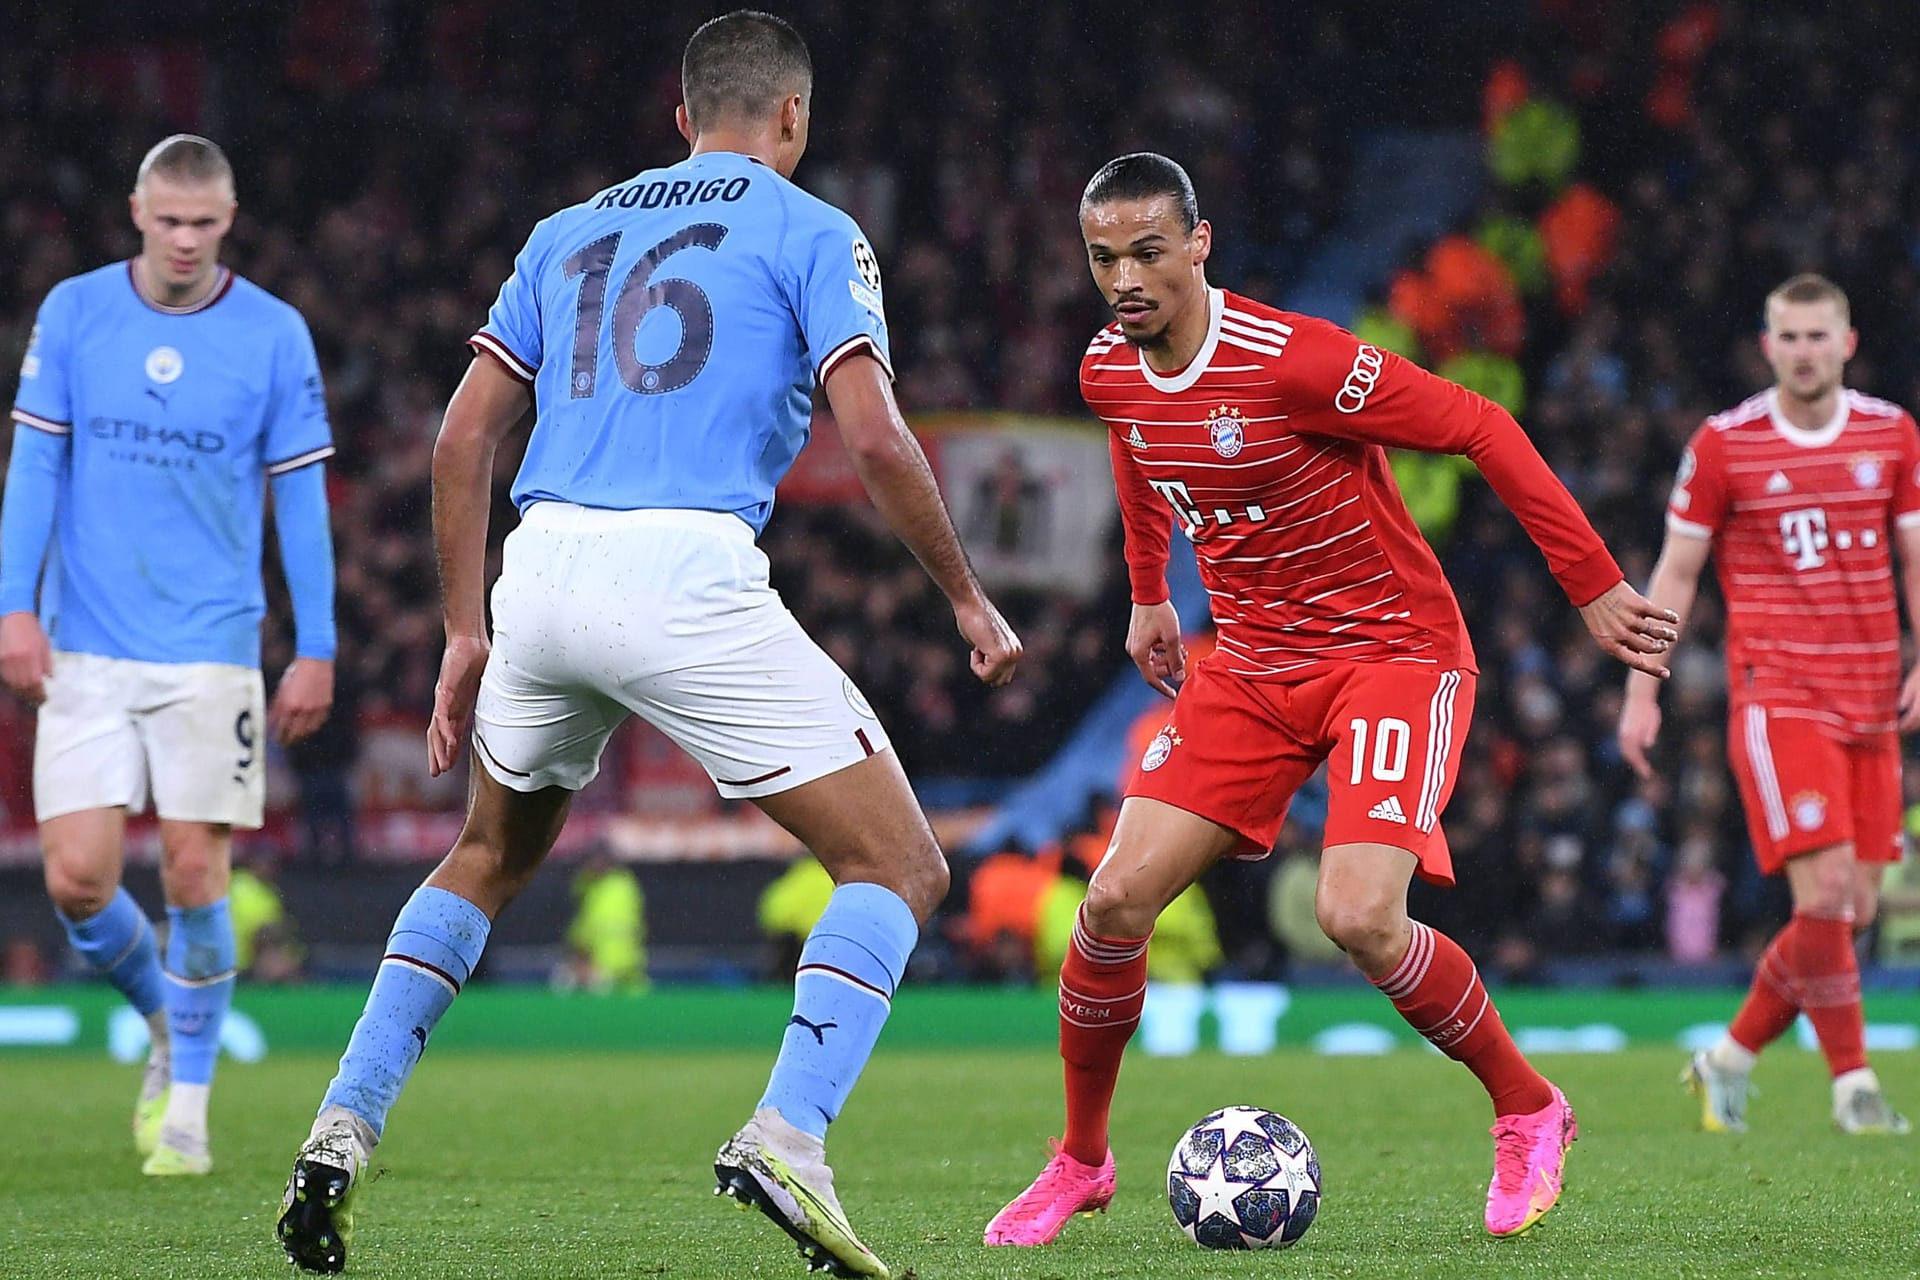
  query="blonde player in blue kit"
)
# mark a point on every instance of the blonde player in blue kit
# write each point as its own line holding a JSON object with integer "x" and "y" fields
{"x": 159, "y": 399}
{"x": 670, "y": 331}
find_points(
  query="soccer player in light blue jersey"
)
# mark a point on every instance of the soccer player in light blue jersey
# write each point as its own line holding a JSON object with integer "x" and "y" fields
{"x": 159, "y": 400}
{"x": 668, "y": 333}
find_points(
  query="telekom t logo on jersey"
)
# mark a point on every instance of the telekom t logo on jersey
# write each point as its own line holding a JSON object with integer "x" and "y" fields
{"x": 1192, "y": 515}
{"x": 1804, "y": 533}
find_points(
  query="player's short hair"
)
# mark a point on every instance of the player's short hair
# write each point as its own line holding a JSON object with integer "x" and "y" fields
{"x": 1141, "y": 176}
{"x": 185, "y": 157}
{"x": 741, "y": 64}
{"x": 1810, "y": 286}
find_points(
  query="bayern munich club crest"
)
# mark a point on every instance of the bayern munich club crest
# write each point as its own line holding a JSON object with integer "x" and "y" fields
{"x": 1866, "y": 472}
{"x": 1159, "y": 749}
{"x": 1226, "y": 430}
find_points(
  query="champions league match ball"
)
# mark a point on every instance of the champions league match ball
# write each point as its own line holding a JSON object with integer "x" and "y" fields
{"x": 1244, "y": 1178}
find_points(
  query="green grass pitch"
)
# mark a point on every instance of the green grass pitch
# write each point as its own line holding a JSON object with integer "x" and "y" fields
{"x": 548, "y": 1165}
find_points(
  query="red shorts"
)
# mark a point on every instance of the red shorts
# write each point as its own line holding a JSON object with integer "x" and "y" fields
{"x": 1235, "y": 750}
{"x": 1805, "y": 788}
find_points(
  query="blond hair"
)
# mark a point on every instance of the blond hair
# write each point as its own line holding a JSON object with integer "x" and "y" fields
{"x": 188, "y": 158}
{"x": 1809, "y": 286}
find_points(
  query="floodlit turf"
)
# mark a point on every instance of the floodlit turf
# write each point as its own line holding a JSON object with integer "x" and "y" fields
{"x": 564, "y": 1166}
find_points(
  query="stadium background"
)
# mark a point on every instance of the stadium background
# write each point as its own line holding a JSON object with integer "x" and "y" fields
{"x": 1575, "y": 208}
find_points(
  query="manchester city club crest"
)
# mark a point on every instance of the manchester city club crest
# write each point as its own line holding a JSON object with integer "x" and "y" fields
{"x": 164, "y": 365}
{"x": 1226, "y": 430}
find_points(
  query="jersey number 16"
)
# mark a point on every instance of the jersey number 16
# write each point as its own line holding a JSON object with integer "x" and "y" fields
{"x": 638, "y": 295}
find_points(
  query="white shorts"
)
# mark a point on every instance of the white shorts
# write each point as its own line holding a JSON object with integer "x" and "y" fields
{"x": 667, "y": 615}
{"x": 114, "y": 731}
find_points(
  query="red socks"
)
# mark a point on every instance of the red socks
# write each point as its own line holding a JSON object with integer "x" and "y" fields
{"x": 1438, "y": 991}
{"x": 1770, "y": 1006}
{"x": 1809, "y": 965}
{"x": 1103, "y": 983}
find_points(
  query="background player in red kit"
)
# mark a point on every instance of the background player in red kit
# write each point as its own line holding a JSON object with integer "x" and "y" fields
{"x": 1338, "y": 640}
{"x": 1803, "y": 491}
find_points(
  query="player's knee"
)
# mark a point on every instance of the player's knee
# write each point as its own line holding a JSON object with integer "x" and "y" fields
{"x": 1361, "y": 928}
{"x": 77, "y": 893}
{"x": 1116, "y": 908}
{"x": 1866, "y": 907}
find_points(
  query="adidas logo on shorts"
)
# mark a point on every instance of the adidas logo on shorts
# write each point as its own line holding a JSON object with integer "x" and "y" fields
{"x": 1389, "y": 810}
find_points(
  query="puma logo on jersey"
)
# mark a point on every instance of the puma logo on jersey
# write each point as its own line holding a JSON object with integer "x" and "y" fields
{"x": 1778, "y": 483}
{"x": 1389, "y": 810}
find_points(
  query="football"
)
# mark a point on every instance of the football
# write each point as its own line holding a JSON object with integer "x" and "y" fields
{"x": 1244, "y": 1178}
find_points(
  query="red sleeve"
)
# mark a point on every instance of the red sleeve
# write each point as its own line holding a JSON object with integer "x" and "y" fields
{"x": 1906, "y": 481}
{"x": 1355, "y": 391}
{"x": 1698, "y": 504}
{"x": 1148, "y": 522}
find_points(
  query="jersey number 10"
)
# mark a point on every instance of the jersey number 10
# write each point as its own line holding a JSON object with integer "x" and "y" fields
{"x": 638, "y": 295}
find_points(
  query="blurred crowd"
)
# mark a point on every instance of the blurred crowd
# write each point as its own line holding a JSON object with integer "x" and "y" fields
{"x": 1652, "y": 170}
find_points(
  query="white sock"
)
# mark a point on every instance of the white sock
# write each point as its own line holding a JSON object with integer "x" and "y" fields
{"x": 1848, "y": 1083}
{"x": 340, "y": 1117}
{"x": 161, "y": 1045}
{"x": 1729, "y": 1055}
{"x": 187, "y": 1109}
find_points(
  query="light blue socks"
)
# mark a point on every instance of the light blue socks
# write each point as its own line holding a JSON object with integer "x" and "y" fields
{"x": 842, "y": 994}
{"x": 118, "y": 942}
{"x": 435, "y": 944}
{"x": 199, "y": 986}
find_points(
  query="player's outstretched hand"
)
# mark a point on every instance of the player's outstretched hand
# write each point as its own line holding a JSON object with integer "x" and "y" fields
{"x": 1910, "y": 701}
{"x": 301, "y": 703}
{"x": 1153, "y": 642}
{"x": 1639, "y": 726}
{"x": 26, "y": 659}
{"x": 996, "y": 650}
{"x": 453, "y": 697}
{"x": 1627, "y": 625}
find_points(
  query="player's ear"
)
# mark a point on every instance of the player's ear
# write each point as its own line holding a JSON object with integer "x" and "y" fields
{"x": 1853, "y": 343}
{"x": 683, "y": 122}
{"x": 791, "y": 111}
{"x": 1201, "y": 241}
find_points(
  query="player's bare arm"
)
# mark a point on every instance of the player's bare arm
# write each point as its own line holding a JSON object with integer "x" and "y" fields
{"x": 894, "y": 471}
{"x": 1153, "y": 642}
{"x": 1907, "y": 538}
{"x": 1675, "y": 581}
{"x": 26, "y": 657}
{"x": 485, "y": 407}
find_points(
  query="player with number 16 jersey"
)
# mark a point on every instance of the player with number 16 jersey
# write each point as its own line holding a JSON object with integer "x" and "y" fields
{"x": 668, "y": 333}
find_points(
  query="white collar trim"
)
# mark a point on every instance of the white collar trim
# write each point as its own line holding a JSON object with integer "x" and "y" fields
{"x": 1178, "y": 382}
{"x": 1802, "y": 436}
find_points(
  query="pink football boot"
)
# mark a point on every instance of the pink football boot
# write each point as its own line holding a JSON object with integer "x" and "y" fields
{"x": 1529, "y": 1158}
{"x": 1065, "y": 1187}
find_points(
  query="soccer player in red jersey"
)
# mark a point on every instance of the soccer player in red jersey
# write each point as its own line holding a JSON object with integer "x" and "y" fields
{"x": 1802, "y": 493}
{"x": 1264, "y": 433}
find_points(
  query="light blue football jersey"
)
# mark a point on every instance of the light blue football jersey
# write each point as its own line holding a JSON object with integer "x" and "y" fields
{"x": 175, "y": 420}
{"x": 673, "y": 327}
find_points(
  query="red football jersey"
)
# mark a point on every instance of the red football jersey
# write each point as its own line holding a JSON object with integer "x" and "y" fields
{"x": 1269, "y": 449}
{"x": 1802, "y": 527}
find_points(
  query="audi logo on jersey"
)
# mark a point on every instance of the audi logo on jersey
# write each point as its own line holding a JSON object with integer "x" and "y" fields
{"x": 1361, "y": 380}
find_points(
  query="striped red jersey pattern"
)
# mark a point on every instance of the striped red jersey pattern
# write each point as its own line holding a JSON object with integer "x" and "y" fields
{"x": 1802, "y": 524}
{"x": 1270, "y": 449}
